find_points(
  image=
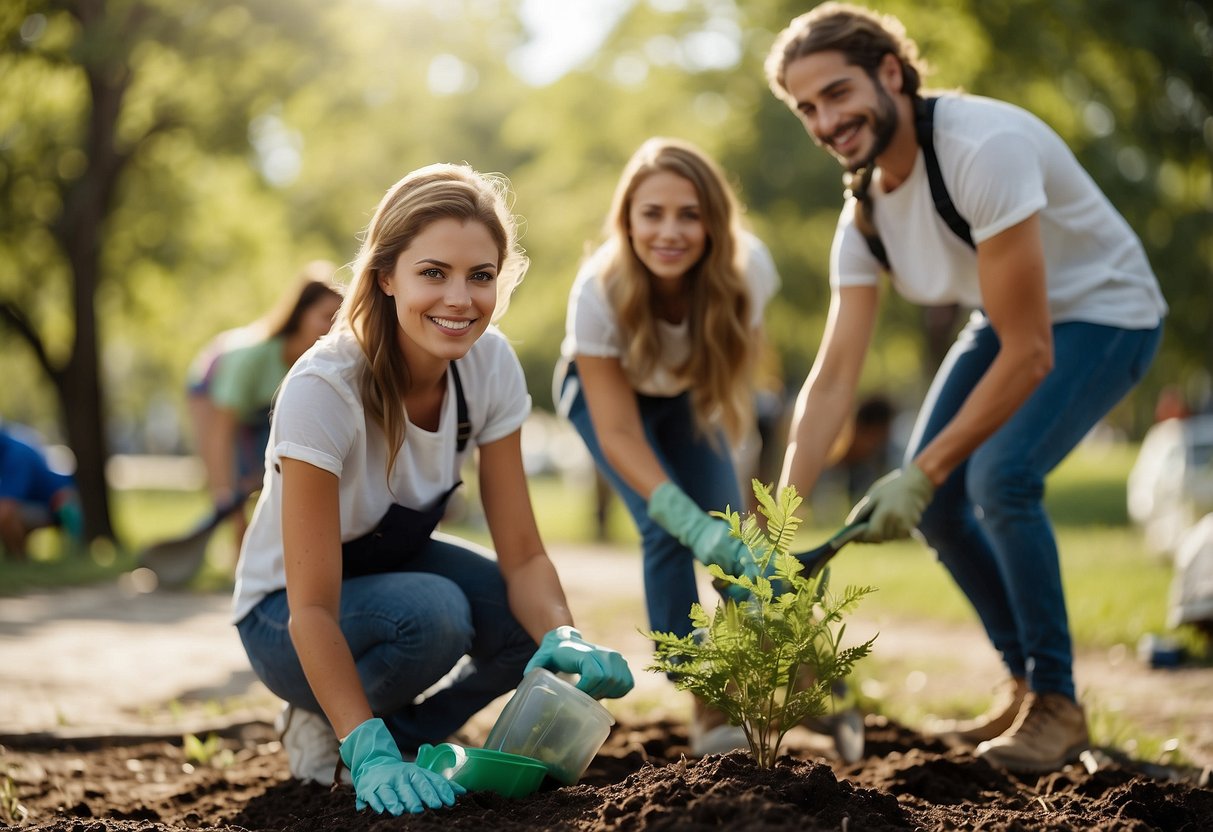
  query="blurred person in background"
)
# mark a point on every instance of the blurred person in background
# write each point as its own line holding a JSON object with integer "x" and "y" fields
{"x": 1171, "y": 404}
{"x": 866, "y": 449}
{"x": 1069, "y": 318}
{"x": 232, "y": 382}
{"x": 350, "y": 607}
{"x": 657, "y": 374}
{"x": 33, "y": 494}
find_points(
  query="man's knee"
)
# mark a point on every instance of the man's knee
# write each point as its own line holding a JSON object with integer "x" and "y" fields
{"x": 995, "y": 487}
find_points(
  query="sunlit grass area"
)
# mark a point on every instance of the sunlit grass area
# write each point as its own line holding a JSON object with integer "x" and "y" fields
{"x": 1115, "y": 590}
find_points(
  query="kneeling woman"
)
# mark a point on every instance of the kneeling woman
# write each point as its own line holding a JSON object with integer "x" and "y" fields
{"x": 347, "y": 602}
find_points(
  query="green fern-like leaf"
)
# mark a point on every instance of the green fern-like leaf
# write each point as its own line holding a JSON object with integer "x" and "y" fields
{"x": 771, "y": 661}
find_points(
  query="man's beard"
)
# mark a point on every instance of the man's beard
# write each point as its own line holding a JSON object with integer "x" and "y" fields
{"x": 884, "y": 125}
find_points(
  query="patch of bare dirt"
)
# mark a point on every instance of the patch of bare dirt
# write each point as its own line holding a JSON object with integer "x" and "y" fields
{"x": 641, "y": 780}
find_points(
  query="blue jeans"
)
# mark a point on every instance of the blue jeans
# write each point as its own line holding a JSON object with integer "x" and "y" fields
{"x": 700, "y": 467}
{"x": 407, "y": 630}
{"x": 987, "y": 522}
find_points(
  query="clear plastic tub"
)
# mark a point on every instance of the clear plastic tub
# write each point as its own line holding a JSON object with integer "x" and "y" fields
{"x": 551, "y": 721}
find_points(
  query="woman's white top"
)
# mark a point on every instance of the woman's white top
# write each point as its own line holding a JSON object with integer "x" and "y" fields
{"x": 319, "y": 419}
{"x": 592, "y": 328}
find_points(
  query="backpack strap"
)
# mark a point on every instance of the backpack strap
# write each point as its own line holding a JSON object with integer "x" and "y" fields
{"x": 924, "y": 131}
{"x": 464, "y": 430}
{"x": 875, "y": 244}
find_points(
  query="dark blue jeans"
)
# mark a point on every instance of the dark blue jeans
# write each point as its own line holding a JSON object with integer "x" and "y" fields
{"x": 407, "y": 630}
{"x": 987, "y": 522}
{"x": 700, "y": 467}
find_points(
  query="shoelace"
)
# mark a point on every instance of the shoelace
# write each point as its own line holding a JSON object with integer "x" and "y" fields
{"x": 1041, "y": 713}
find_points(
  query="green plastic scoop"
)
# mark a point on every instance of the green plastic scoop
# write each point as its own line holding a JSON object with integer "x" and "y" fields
{"x": 481, "y": 769}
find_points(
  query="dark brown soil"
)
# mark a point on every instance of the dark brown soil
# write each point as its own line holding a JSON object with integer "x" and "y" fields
{"x": 640, "y": 781}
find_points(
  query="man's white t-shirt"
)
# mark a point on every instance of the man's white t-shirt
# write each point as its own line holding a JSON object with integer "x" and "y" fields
{"x": 592, "y": 328}
{"x": 1001, "y": 165}
{"x": 319, "y": 419}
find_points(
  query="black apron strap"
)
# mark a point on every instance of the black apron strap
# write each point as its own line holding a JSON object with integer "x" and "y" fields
{"x": 464, "y": 429}
{"x": 404, "y": 531}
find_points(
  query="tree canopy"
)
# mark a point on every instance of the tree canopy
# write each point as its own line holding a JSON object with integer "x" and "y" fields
{"x": 166, "y": 167}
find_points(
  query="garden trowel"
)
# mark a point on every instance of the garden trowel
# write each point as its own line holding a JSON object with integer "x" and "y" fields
{"x": 815, "y": 560}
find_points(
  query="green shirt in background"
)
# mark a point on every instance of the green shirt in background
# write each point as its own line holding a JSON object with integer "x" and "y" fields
{"x": 247, "y": 379}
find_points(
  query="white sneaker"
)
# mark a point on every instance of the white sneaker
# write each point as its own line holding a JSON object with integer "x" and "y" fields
{"x": 312, "y": 750}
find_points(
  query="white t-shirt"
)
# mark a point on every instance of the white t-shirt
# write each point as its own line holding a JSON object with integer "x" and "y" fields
{"x": 319, "y": 419}
{"x": 591, "y": 326}
{"x": 1001, "y": 164}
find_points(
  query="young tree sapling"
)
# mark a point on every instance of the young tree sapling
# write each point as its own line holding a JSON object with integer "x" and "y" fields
{"x": 768, "y": 662}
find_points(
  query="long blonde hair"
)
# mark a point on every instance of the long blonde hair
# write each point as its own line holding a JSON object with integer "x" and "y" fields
{"x": 435, "y": 192}
{"x": 718, "y": 368}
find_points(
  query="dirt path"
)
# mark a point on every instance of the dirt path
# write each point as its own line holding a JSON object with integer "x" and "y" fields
{"x": 109, "y": 660}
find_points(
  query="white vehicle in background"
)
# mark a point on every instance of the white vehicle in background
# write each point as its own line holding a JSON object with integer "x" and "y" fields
{"x": 1192, "y": 588}
{"x": 1171, "y": 484}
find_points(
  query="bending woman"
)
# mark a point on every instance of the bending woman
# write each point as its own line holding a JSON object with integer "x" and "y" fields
{"x": 232, "y": 382}
{"x": 664, "y": 323}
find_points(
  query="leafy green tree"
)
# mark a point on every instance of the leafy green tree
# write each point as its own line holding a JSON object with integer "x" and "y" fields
{"x": 114, "y": 109}
{"x": 1129, "y": 86}
{"x": 165, "y": 167}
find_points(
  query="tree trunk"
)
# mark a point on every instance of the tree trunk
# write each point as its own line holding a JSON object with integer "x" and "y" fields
{"x": 86, "y": 205}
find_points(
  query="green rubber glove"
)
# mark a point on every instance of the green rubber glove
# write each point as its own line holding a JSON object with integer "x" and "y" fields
{"x": 604, "y": 672}
{"x": 708, "y": 538}
{"x": 71, "y": 520}
{"x": 893, "y": 505}
{"x": 383, "y": 781}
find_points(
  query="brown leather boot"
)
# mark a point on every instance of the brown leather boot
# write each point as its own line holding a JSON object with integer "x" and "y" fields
{"x": 1049, "y": 732}
{"x": 996, "y": 721}
{"x": 711, "y": 732}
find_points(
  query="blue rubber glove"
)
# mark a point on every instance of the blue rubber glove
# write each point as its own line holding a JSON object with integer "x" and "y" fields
{"x": 709, "y": 538}
{"x": 894, "y": 504}
{"x": 604, "y": 672}
{"x": 383, "y": 781}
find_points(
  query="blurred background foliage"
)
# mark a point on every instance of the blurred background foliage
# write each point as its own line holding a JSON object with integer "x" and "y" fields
{"x": 166, "y": 166}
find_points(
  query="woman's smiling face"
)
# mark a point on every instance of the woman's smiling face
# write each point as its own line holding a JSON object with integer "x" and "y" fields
{"x": 666, "y": 225}
{"x": 444, "y": 287}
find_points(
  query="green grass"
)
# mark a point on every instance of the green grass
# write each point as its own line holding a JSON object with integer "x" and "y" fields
{"x": 1114, "y": 589}
{"x": 140, "y": 519}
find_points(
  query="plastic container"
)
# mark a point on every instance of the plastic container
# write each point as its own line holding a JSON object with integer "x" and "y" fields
{"x": 553, "y": 722}
{"x": 478, "y": 770}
